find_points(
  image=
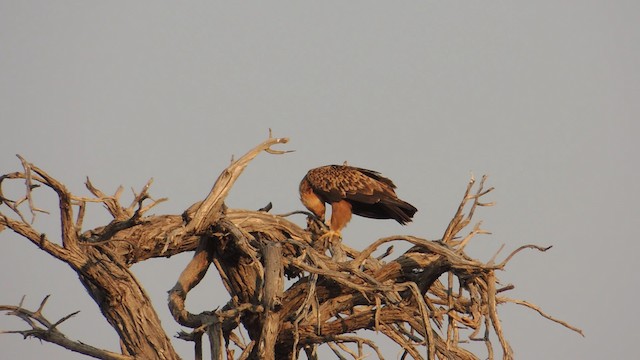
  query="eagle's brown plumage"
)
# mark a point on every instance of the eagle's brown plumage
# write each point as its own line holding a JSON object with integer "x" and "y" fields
{"x": 352, "y": 190}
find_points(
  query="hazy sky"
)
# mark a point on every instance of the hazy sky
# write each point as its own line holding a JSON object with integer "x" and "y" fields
{"x": 543, "y": 96}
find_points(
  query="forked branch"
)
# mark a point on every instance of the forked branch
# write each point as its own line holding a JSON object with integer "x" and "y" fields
{"x": 43, "y": 329}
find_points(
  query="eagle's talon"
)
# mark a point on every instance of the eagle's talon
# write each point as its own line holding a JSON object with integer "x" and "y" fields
{"x": 331, "y": 234}
{"x": 327, "y": 240}
{"x": 332, "y": 240}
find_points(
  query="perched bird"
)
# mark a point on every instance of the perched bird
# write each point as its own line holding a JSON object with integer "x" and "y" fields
{"x": 352, "y": 190}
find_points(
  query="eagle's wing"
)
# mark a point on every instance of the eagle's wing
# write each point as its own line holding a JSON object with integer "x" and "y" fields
{"x": 338, "y": 182}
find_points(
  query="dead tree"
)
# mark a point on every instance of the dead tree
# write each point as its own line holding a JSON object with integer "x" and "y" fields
{"x": 423, "y": 300}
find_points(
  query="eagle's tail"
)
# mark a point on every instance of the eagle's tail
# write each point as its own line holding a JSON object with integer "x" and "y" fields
{"x": 399, "y": 210}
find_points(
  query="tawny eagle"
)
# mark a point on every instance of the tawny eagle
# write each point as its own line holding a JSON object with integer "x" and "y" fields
{"x": 352, "y": 190}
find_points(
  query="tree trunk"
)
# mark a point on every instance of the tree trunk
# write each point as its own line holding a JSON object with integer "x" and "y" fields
{"x": 126, "y": 306}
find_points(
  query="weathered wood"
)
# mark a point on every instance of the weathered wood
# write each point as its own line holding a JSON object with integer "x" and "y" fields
{"x": 126, "y": 306}
{"x": 252, "y": 251}
{"x": 271, "y": 296}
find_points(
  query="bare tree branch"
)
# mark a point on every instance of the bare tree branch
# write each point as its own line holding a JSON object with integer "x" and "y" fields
{"x": 208, "y": 210}
{"x": 43, "y": 329}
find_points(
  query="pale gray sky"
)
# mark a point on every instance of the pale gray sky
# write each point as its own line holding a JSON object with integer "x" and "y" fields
{"x": 541, "y": 95}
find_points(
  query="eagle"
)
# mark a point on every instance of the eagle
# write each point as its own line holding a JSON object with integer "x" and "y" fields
{"x": 352, "y": 190}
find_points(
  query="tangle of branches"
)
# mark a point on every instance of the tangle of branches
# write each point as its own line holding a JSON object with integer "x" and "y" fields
{"x": 429, "y": 300}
